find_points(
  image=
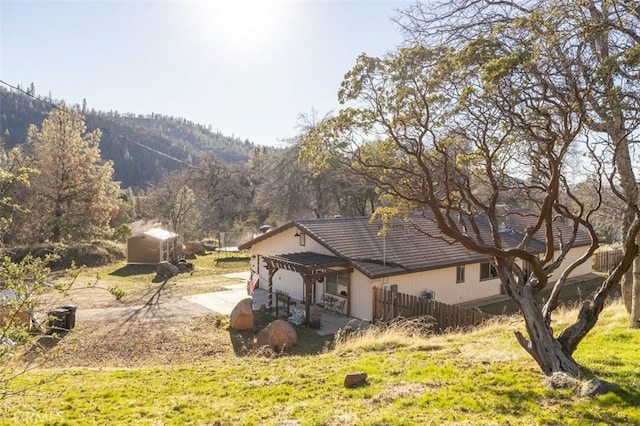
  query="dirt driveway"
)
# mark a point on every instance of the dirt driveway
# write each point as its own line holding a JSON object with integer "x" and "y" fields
{"x": 97, "y": 305}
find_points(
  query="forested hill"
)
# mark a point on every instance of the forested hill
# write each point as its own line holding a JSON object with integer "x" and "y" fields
{"x": 129, "y": 140}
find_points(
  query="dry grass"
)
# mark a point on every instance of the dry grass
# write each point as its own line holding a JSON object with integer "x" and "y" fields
{"x": 490, "y": 343}
{"x": 137, "y": 344}
{"x": 398, "y": 333}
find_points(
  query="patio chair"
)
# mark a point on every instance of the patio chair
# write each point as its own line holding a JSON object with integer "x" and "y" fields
{"x": 339, "y": 306}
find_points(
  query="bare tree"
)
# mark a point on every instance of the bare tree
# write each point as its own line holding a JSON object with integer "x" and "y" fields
{"x": 173, "y": 203}
{"x": 223, "y": 193}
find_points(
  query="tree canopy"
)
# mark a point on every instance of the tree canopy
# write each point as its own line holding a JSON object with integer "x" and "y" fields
{"x": 73, "y": 196}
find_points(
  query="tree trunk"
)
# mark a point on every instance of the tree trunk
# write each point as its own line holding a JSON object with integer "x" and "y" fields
{"x": 634, "y": 317}
{"x": 626, "y": 288}
{"x": 542, "y": 345}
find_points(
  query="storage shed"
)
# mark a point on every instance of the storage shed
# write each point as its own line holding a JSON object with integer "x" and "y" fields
{"x": 151, "y": 247}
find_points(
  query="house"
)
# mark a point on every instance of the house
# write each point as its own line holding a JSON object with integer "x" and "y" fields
{"x": 151, "y": 247}
{"x": 339, "y": 261}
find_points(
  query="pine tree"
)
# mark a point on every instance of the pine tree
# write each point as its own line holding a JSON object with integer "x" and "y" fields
{"x": 74, "y": 195}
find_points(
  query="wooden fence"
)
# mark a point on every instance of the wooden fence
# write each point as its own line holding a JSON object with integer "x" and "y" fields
{"x": 605, "y": 261}
{"x": 388, "y": 305}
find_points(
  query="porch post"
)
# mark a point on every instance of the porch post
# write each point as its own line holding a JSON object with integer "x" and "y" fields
{"x": 349, "y": 294}
{"x": 308, "y": 285}
{"x": 272, "y": 272}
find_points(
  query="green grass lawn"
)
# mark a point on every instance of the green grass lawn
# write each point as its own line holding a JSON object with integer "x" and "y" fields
{"x": 476, "y": 378}
{"x": 139, "y": 280}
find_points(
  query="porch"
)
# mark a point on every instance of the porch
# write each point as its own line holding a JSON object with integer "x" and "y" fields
{"x": 331, "y": 321}
{"x": 326, "y": 283}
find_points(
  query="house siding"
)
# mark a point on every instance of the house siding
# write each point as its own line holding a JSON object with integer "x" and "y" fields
{"x": 572, "y": 256}
{"x": 443, "y": 283}
{"x": 361, "y": 296}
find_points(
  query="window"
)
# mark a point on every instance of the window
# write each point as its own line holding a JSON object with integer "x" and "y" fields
{"x": 302, "y": 239}
{"x": 459, "y": 274}
{"x": 488, "y": 271}
{"x": 336, "y": 284}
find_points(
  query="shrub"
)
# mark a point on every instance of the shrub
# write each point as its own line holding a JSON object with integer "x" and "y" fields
{"x": 93, "y": 253}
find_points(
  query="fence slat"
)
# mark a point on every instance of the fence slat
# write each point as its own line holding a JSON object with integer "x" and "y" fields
{"x": 388, "y": 305}
{"x": 605, "y": 261}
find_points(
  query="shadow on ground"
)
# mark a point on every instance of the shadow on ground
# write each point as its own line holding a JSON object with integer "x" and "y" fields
{"x": 129, "y": 270}
{"x": 43, "y": 345}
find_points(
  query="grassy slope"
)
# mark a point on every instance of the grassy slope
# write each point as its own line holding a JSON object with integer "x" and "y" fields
{"x": 481, "y": 377}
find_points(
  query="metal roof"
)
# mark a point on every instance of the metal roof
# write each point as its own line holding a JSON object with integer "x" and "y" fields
{"x": 160, "y": 234}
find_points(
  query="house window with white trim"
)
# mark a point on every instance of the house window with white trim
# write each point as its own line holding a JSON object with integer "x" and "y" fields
{"x": 488, "y": 271}
{"x": 459, "y": 274}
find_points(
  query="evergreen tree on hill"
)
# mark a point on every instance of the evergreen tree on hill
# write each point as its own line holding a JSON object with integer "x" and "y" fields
{"x": 73, "y": 196}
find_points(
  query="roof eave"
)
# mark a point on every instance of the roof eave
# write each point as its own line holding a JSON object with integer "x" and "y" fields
{"x": 268, "y": 234}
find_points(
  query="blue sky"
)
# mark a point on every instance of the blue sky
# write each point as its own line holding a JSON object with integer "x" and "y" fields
{"x": 247, "y": 68}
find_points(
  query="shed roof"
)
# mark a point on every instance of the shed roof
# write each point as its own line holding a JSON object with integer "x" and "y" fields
{"x": 160, "y": 234}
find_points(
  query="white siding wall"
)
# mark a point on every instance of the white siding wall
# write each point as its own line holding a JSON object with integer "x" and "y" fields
{"x": 443, "y": 283}
{"x": 282, "y": 243}
{"x": 361, "y": 296}
{"x": 574, "y": 254}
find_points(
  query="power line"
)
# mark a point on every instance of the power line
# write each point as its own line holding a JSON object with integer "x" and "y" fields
{"x": 67, "y": 111}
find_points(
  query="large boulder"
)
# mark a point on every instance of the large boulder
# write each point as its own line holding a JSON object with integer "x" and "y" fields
{"x": 242, "y": 315}
{"x": 167, "y": 268}
{"x": 277, "y": 335}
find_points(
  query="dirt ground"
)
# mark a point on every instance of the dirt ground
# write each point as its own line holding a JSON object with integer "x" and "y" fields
{"x": 152, "y": 325}
{"x": 89, "y": 293}
{"x": 140, "y": 343}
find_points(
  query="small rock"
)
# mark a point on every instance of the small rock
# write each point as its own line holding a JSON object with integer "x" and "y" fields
{"x": 277, "y": 335}
{"x": 560, "y": 380}
{"x": 242, "y": 315}
{"x": 185, "y": 267}
{"x": 190, "y": 249}
{"x": 594, "y": 387}
{"x": 353, "y": 380}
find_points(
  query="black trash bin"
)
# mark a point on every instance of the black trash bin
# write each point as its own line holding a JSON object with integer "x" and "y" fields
{"x": 71, "y": 318}
{"x": 57, "y": 320}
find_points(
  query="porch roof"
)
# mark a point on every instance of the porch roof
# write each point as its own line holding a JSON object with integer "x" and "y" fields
{"x": 307, "y": 262}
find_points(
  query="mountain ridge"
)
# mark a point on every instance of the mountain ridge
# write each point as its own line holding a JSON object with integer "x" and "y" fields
{"x": 142, "y": 147}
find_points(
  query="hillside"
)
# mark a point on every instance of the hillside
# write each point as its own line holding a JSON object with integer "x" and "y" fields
{"x": 201, "y": 372}
{"x": 125, "y": 136}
